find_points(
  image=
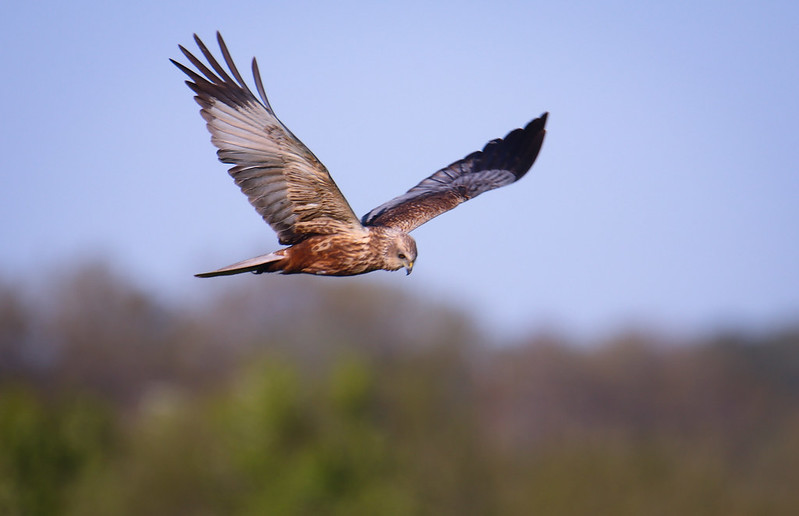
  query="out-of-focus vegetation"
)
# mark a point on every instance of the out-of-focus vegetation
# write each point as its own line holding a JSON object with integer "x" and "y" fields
{"x": 316, "y": 397}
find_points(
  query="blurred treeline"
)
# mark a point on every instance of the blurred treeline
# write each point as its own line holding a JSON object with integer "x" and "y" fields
{"x": 298, "y": 396}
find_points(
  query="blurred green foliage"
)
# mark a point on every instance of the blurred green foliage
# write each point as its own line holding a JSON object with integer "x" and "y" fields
{"x": 305, "y": 397}
{"x": 45, "y": 446}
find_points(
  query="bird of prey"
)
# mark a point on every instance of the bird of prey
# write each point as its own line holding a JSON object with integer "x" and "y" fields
{"x": 295, "y": 195}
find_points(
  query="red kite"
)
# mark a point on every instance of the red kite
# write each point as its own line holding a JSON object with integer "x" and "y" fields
{"x": 296, "y": 196}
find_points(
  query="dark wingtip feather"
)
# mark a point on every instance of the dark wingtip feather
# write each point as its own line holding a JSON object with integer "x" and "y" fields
{"x": 214, "y": 82}
{"x": 517, "y": 151}
{"x": 259, "y": 85}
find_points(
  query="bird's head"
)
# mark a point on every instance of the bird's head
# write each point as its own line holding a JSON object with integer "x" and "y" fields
{"x": 402, "y": 252}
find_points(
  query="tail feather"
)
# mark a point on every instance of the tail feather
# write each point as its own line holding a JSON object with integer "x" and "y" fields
{"x": 251, "y": 265}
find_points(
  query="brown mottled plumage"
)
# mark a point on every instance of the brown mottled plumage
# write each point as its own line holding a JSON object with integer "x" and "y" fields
{"x": 296, "y": 196}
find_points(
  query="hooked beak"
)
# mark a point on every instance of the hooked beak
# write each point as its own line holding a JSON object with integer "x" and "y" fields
{"x": 408, "y": 268}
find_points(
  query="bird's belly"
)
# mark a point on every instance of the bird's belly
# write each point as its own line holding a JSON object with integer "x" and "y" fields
{"x": 330, "y": 256}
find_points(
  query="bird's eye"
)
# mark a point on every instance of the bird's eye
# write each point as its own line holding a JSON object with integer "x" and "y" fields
{"x": 401, "y": 256}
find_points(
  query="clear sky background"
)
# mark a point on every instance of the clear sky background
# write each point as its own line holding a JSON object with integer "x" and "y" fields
{"x": 666, "y": 193}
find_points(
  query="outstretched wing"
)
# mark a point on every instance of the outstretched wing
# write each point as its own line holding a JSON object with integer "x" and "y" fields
{"x": 501, "y": 162}
{"x": 282, "y": 179}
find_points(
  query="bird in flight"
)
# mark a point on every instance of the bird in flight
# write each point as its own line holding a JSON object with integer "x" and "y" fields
{"x": 294, "y": 193}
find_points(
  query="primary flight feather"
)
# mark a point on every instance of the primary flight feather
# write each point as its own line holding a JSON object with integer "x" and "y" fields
{"x": 295, "y": 194}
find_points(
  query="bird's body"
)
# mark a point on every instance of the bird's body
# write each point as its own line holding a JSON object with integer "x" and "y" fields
{"x": 296, "y": 196}
{"x": 334, "y": 255}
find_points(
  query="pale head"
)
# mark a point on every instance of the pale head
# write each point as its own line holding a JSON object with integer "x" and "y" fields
{"x": 401, "y": 252}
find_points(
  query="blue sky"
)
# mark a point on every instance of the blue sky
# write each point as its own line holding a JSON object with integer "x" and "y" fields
{"x": 666, "y": 194}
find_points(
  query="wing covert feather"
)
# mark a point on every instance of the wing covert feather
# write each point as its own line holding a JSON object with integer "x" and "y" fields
{"x": 288, "y": 186}
{"x": 501, "y": 162}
